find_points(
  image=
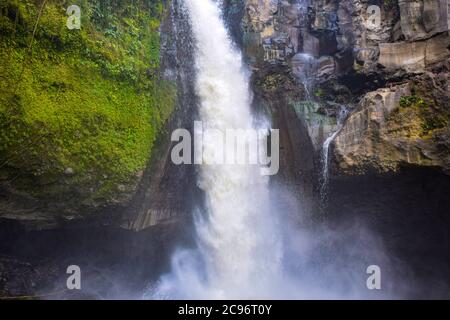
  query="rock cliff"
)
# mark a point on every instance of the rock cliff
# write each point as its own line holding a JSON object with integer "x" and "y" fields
{"x": 373, "y": 73}
{"x": 85, "y": 113}
{"x": 360, "y": 92}
{"x": 359, "y": 88}
{"x": 387, "y": 62}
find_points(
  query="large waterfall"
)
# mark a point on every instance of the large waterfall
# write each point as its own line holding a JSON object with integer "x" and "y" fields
{"x": 239, "y": 249}
{"x": 246, "y": 247}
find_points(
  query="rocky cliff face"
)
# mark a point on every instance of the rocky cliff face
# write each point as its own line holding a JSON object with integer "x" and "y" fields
{"x": 319, "y": 67}
{"x": 95, "y": 107}
{"x": 168, "y": 192}
{"x": 118, "y": 244}
{"x": 406, "y": 124}
{"x": 374, "y": 76}
{"x": 385, "y": 60}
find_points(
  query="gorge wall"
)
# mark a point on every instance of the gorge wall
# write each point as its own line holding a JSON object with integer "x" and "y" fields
{"x": 381, "y": 85}
{"x": 109, "y": 162}
{"x": 381, "y": 71}
{"x": 131, "y": 88}
{"x": 311, "y": 62}
{"x": 318, "y": 67}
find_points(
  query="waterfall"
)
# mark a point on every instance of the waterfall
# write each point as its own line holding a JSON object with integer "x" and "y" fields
{"x": 305, "y": 68}
{"x": 246, "y": 248}
{"x": 325, "y": 165}
{"x": 238, "y": 248}
{"x": 326, "y": 154}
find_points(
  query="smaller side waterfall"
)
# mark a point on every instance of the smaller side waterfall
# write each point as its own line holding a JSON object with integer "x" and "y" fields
{"x": 304, "y": 67}
{"x": 325, "y": 159}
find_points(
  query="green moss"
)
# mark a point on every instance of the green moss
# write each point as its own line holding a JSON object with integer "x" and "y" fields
{"x": 430, "y": 118}
{"x": 88, "y": 99}
{"x": 433, "y": 123}
{"x": 271, "y": 82}
{"x": 309, "y": 111}
{"x": 408, "y": 101}
{"x": 319, "y": 93}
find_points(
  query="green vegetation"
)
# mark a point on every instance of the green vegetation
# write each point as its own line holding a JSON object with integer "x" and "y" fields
{"x": 79, "y": 109}
{"x": 272, "y": 82}
{"x": 430, "y": 119}
{"x": 390, "y": 3}
{"x": 310, "y": 112}
{"x": 319, "y": 93}
{"x": 408, "y": 101}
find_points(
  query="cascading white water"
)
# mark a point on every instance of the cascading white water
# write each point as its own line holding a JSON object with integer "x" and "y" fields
{"x": 243, "y": 251}
{"x": 238, "y": 245}
{"x": 325, "y": 164}
{"x": 304, "y": 68}
{"x": 326, "y": 154}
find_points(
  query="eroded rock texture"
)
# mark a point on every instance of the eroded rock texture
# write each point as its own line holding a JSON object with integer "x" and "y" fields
{"x": 373, "y": 57}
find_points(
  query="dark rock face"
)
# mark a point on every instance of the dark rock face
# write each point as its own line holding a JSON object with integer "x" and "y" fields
{"x": 167, "y": 193}
{"x": 115, "y": 263}
{"x": 409, "y": 211}
{"x": 276, "y": 93}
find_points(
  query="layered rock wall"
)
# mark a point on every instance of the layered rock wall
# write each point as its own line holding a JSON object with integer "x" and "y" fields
{"x": 330, "y": 48}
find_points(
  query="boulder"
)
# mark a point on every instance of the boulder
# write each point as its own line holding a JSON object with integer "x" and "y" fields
{"x": 382, "y": 135}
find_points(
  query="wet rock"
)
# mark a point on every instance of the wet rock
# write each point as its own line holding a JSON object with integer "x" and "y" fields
{"x": 394, "y": 127}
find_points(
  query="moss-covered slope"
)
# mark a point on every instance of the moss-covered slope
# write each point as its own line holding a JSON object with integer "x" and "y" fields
{"x": 79, "y": 109}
